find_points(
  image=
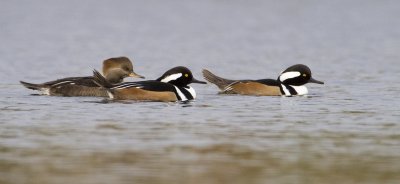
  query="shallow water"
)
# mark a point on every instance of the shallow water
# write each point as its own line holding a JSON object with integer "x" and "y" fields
{"x": 346, "y": 131}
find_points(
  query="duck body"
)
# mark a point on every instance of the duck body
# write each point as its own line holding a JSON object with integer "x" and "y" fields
{"x": 171, "y": 87}
{"x": 115, "y": 70}
{"x": 151, "y": 91}
{"x": 289, "y": 83}
{"x": 71, "y": 86}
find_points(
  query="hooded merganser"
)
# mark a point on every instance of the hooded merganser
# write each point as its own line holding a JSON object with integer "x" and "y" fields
{"x": 289, "y": 83}
{"x": 114, "y": 70}
{"x": 170, "y": 87}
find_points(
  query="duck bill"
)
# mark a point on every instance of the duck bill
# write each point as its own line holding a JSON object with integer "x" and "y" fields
{"x": 135, "y": 75}
{"x": 197, "y": 81}
{"x": 312, "y": 80}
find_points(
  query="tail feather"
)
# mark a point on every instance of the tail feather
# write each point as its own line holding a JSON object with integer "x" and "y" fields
{"x": 219, "y": 81}
{"x": 100, "y": 80}
{"x": 33, "y": 86}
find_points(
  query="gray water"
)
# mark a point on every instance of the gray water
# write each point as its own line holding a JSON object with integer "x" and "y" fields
{"x": 346, "y": 131}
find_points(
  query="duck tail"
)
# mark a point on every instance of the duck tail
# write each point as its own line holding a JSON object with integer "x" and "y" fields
{"x": 218, "y": 81}
{"x": 33, "y": 86}
{"x": 100, "y": 80}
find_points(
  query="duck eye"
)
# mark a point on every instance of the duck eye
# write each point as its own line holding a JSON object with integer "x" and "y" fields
{"x": 304, "y": 75}
{"x": 186, "y": 75}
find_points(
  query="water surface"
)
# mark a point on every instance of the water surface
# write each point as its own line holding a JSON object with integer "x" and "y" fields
{"x": 346, "y": 131}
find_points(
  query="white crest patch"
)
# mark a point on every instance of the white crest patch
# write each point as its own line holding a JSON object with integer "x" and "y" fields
{"x": 171, "y": 77}
{"x": 192, "y": 92}
{"x": 288, "y": 75}
{"x": 181, "y": 95}
{"x": 301, "y": 90}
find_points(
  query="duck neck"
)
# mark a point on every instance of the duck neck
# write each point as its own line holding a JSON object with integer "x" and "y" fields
{"x": 114, "y": 78}
{"x": 291, "y": 90}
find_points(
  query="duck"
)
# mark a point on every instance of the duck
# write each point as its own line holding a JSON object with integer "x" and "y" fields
{"x": 289, "y": 83}
{"x": 172, "y": 86}
{"x": 114, "y": 69}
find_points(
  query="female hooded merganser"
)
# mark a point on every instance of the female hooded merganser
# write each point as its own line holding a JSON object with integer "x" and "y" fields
{"x": 289, "y": 83}
{"x": 114, "y": 70}
{"x": 170, "y": 87}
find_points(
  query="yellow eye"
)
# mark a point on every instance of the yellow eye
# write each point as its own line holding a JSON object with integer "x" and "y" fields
{"x": 304, "y": 75}
{"x": 186, "y": 75}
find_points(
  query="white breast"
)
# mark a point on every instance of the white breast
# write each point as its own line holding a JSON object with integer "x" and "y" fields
{"x": 301, "y": 90}
{"x": 285, "y": 90}
{"x": 180, "y": 94}
{"x": 192, "y": 92}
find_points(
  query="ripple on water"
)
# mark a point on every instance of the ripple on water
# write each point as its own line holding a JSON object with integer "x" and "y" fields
{"x": 346, "y": 131}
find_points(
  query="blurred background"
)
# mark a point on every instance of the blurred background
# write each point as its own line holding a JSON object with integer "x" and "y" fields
{"x": 346, "y": 131}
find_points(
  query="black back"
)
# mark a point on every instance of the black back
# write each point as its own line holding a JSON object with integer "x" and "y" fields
{"x": 269, "y": 82}
{"x": 150, "y": 85}
{"x": 84, "y": 81}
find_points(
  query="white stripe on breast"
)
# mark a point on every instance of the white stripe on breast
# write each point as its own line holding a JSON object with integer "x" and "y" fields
{"x": 191, "y": 91}
{"x": 285, "y": 90}
{"x": 183, "y": 97}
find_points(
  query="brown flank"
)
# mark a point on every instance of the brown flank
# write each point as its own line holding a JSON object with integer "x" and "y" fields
{"x": 253, "y": 88}
{"x": 144, "y": 95}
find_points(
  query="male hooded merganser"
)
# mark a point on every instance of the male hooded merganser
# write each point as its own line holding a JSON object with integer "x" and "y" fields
{"x": 170, "y": 87}
{"x": 114, "y": 70}
{"x": 289, "y": 83}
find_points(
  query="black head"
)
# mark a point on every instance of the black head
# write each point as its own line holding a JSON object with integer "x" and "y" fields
{"x": 297, "y": 75}
{"x": 179, "y": 76}
{"x": 119, "y": 67}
